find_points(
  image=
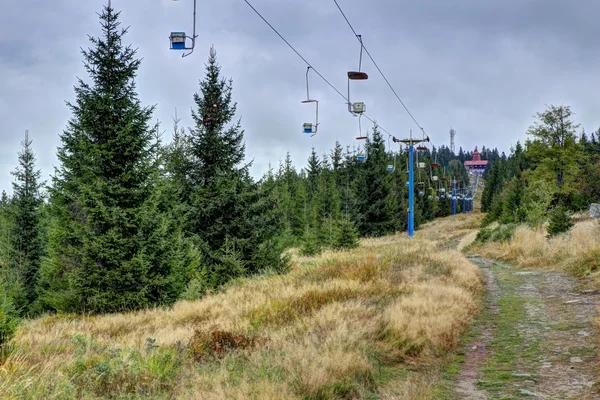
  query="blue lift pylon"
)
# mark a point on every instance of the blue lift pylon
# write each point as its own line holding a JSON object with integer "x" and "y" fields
{"x": 411, "y": 181}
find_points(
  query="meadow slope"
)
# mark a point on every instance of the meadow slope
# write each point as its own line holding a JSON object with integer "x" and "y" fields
{"x": 369, "y": 323}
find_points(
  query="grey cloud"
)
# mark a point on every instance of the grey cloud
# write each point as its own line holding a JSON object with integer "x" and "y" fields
{"x": 484, "y": 67}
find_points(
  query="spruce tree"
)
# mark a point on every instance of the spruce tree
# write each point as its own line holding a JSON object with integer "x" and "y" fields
{"x": 228, "y": 214}
{"x": 110, "y": 246}
{"x": 428, "y": 207}
{"x": 9, "y": 313}
{"x": 289, "y": 172}
{"x": 300, "y": 208}
{"x": 444, "y": 207}
{"x": 487, "y": 169}
{"x": 310, "y": 243}
{"x": 492, "y": 186}
{"x": 346, "y": 235}
{"x": 5, "y": 229}
{"x": 337, "y": 163}
{"x": 337, "y": 157}
{"x": 461, "y": 155}
{"x": 283, "y": 201}
{"x": 348, "y": 189}
{"x": 213, "y": 170}
{"x": 375, "y": 212}
{"x": 595, "y": 141}
{"x": 216, "y": 148}
{"x": 290, "y": 187}
{"x": 457, "y": 170}
{"x": 313, "y": 170}
{"x": 176, "y": 159}
{"x": 560, "y": 221}
{"x": 26, "y": 243}
{"x": 401, "y": 194}
{"x": 327, "y": 203}
{"x": 287, "y": 183}
{"x": 512, "y": 205}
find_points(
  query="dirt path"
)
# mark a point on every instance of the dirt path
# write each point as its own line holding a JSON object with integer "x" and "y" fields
{"x": 535, "y": 338}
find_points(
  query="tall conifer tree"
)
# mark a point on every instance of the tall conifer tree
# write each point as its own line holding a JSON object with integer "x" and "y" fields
{"x": 234, "y": 220}
{"x": 374, "y": 196}
{"x": 5, "y": 228}
{"x": 110, "y": 246}
{"x": 26, "y": 238}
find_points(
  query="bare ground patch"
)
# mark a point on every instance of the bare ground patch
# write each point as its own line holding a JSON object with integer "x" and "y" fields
{"x": 476, "y": 351}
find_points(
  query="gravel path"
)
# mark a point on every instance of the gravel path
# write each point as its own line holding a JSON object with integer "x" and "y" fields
{"x": 536, "y": 338}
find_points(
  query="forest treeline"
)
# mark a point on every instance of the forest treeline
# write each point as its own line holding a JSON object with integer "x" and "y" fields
{"x": 556, "y": 173}
{"x": 128, "y": 222}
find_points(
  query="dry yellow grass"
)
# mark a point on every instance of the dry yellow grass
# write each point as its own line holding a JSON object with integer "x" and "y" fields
{"x": 530, "y": 248}
{"x": 324, "y": 330}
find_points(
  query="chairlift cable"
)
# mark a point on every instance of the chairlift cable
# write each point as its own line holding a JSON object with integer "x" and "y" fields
{"x": 379, "y": 69}
{"x": 307, "y": 63}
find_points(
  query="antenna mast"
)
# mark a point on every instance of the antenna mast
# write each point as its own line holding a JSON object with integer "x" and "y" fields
{"x": 452, "y": 134}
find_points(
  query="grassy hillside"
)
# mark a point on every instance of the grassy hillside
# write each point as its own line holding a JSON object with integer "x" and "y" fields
{"x": 366, "y": 323}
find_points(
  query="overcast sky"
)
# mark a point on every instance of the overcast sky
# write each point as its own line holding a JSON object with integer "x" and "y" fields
{"x": 484, "y": 67}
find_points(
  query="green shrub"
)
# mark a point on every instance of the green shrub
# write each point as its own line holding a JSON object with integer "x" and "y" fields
{"x": 346, "y": 235}
{"x": 310, "y": 243}
{"x": 229, "y": 265}
{"x": 195, "y": 289}
{"x": 9, "y": 319}
{"x": 560, "y": 221}
{"x": 483, "y": 235}
{"x": 501, "y": 233}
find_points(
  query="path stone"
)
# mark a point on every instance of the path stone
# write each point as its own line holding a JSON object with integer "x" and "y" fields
{"x": 595, "y": 210}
